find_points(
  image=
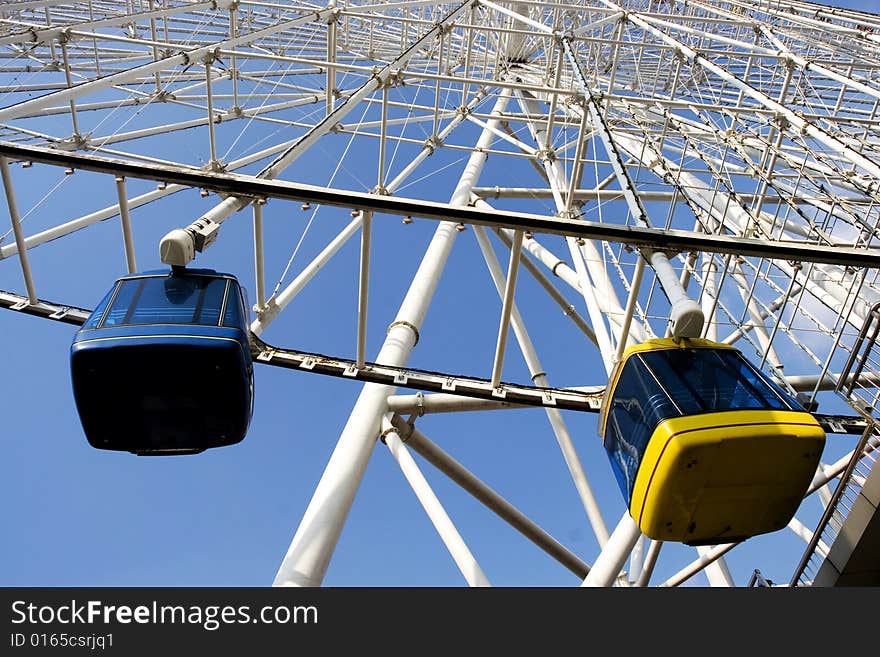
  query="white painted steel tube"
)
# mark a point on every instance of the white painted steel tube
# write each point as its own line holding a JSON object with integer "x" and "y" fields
{"x": 39, "y": 35}
{"x": 363, "y": 288}
{"x": 233, "y": 204}
{"x": 717, "y": 571}
{"x": 276, "y": 304}
{"x": 586, "y": 283}
{"x": 259, "y": 262}
{"x": 560, "y": 430}
{"x": 125, "y": 219}
{"x": 29, "y": 107}
{"x": 522, "y": 18}
{"x": 432, "y": 453}
{"x": 312, "y": 546}
{"x": 624, "y": 337}
{"x": 796, "y": 121}
{"x": 16, "y": 229}
{"x": 650, "y": 562}
{"x": 507, "y": 306}
{"x": 87, "y": 220}
{"x": 608, "y": 565}
{"x": 462, "y": 556}
{"x": 567, "y": 308}
{"x": 694, "y": 567}
{"x": 422, "y": 404}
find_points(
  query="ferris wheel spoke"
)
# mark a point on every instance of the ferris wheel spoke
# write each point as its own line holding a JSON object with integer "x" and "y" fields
{"x": 706, "y": 162}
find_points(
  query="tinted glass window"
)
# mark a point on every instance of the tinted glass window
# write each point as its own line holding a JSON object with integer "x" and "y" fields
{"x": 98, "y": 312}
{"x": 635, "y": 410}
{"x": 706, "y": 380}
{"x": 168, "y": 300}
{"x": 234, "y": 315}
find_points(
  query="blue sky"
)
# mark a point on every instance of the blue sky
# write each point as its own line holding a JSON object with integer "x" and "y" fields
{"x": 76, "y": 516}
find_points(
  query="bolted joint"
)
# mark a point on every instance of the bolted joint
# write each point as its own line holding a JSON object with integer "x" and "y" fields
{"x": 215, "y": 166}
{"x": 390, "y": 79}
{"x": 579, "y": 100}
{"x": 209, "y": 57}
{"x": 47, "y": 36}
{"x": 545, "y": 155}
{"x": 432, "y": 143}
{"x": 780, "y": 120}
{"x": 268, "y": 311}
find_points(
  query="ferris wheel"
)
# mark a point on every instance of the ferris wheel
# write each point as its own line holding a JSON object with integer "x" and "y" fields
{"x": 466, "y": 221}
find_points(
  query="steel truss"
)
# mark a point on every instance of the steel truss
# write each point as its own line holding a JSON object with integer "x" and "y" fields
{"x": 654, "y": 167}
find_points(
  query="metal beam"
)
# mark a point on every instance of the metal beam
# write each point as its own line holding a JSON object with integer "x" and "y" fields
{"x": 247, "y": 186}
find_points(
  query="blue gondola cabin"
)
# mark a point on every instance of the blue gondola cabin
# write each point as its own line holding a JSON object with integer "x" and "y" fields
{"x": 163, "y": 364}
{"x": 705, "y": 447}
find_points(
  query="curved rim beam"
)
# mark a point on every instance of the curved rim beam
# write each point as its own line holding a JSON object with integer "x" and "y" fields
{"x": 248, "y": 186}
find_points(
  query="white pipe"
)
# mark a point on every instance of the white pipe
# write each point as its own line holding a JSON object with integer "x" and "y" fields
{"x": 41, "y": 35}
{"x": 312, "y": 546}
{"x": 650, "y": 562}
{"x": 717, "y": 571}
{"x": 625, "y": 336}
{"x": 560, "y": 430}
{"x": 730, "y": 214}
{"x": 363, "y": 288}
{"x": 100, "y": 215}
{"x": 32, "y": 106}
{"x": 421, "y": 404}
{"x": 709, "y": 269}
{"x": 565, "y": 305}
{"x": 432, "y": 453}
{"x": 795, "y": 120}
{"x": 806, "y": 534}
{"x": 506, "y": 307}
{"x": 694, "y": 567}
{"x": 522, "y": 18}
{"x": 277, "y": 304}
{"x": 259, "y": 262}
{"x": 685, "y": 314}
{"x": 636, "y": 561}
{"x": 589, "y": 272}
{"x": 610, "y": 561}
{"x": 171, "y": 243}
{"x": 212, "y": 141}
{"x": 462, "y": 556}
{"x": 76, "y": 224}
{"x": 16, "y": 229}
{"x": 125, "y": 218}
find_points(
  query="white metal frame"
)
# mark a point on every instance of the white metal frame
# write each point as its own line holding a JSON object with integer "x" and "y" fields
{"x": 712, "y": 168}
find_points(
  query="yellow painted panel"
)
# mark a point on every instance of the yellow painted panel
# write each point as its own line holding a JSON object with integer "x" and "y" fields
{"x": 719, "y": 477}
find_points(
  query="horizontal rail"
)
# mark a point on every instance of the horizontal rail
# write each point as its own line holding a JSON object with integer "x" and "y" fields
{"x": 251, "y": 187}
{"x": 588, "y": 399}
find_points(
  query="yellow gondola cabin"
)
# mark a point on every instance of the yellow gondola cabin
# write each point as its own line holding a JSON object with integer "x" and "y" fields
{"x": 705, "y": 447}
